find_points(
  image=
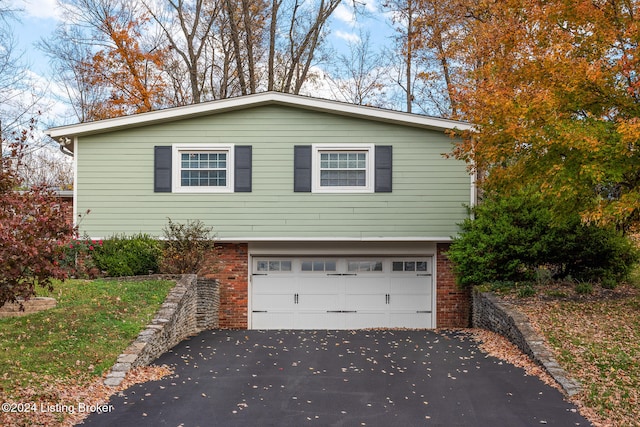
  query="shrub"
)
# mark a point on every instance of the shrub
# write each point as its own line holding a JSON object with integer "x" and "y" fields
{"x": 526, "y": 290}
{"x": 77, "y": 258}
{"x": 511, "y": 238}
{"x": 584, "y": 288}
{"x": 123, "y": 255}
{"x": 33, "y": 229}
{"x": 609, "y": 283}
{"x": 186, "y": 246}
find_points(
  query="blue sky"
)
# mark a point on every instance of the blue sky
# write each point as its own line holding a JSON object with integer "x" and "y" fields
{"x": 38, "y": 20}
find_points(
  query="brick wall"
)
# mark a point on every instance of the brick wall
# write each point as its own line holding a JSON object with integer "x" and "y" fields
{"x": 453, "y": 304}
{"x": 229, "y": 266}
{"x": 67, "y": 204}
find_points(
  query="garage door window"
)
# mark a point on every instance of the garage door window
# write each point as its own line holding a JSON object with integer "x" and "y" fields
{"x": 409, "y": 266}
{"x": 361, "y": 266}
{"x": 318, "y": 265}
{"x": 273, "y": 265}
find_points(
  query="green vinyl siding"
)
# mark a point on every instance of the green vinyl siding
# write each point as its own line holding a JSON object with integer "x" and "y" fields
{"x": 115, "y": 180}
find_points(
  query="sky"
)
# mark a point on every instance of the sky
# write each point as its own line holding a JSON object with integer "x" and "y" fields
{"x": 38, "y": 19}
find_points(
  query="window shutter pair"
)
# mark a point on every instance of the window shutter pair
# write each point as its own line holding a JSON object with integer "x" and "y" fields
{"x": 302, "y": 164}
{"x": 163, "y": 162}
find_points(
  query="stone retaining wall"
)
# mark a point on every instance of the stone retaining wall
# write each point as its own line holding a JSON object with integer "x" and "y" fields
{"x": 496, "y": 315}
{"x": 32, "y": 305}
{"x": 191, "y": 307}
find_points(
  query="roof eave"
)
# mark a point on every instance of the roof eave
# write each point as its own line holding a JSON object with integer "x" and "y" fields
{"x": 250, "y": 101}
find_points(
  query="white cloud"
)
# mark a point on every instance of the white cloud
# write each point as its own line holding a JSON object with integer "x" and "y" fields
{"x": 348, "y": 37}
{"x": 41, "y": 9}
{"x": 345, "y": 14}
{"x": 370, "y": 5}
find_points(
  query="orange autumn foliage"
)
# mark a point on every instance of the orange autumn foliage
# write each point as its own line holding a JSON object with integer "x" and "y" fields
{"x": 554, "y": 91}
{"x": 129, "y": 73}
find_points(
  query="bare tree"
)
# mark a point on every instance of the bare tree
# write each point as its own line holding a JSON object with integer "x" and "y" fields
{"x": 18, "y": 98}
{"x": 360, "y": 76}
{"x": 109, "y": 59}
{"x": 188, "y": 28}
{"x": 69, "y": 53}
{"x": 429, "y": 40}
{"x": 403, "y": 18}
{"x": 21, "y": 96}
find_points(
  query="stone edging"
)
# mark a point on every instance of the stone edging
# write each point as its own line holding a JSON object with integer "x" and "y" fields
{"x": 32, "y": 305}
{"x": 180, "y": 316}
{"x": 496, "y": 315}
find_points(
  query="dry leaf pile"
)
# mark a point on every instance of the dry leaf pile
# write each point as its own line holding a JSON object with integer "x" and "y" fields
{"x": 66, "y": 403}
{"x": 596, "y": 339}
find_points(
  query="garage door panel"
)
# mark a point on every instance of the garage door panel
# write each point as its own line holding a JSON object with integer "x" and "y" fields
{"x": 342, "y": 293}
{"x": 366, "y": 319}
{"x": 319, "y": 286}
{"x": 367, "y": 285}
{"x": 274, "y": 285}
{"x": 410, "y": 320}
{"x": 371, "y": 302}
{"x": 318, "y": 302}
{"x": 273, "y": 320}
{"x": 410, "y": 302}
{"x": 312, "y": 320}
{"x": 414, "y": 284}
{"x": 273, "y": 302}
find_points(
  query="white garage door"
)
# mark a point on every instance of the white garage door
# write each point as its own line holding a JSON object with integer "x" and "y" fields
{"x": 341, "y": 293}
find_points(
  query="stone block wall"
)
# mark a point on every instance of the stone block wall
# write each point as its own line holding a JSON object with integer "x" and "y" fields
{"x": 502, "y": 317}
{"x": 453, "y": 304}
{"x": 208, "y": 304}
{"x": 191, "y": 307}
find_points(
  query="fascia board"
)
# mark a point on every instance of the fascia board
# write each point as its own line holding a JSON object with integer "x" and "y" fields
{"x": 249, "y": 101}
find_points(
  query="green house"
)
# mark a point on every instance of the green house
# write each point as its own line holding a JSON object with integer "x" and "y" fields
{"x": 327, "y": 215}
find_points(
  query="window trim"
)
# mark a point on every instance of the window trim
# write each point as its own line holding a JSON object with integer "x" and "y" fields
{"x": 178, "y": 149}
{"x": 316, "y": 149}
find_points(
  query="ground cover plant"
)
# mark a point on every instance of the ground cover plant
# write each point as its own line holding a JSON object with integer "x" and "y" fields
{"x": 596, "y": 338}
{"x": 73, "y": 344}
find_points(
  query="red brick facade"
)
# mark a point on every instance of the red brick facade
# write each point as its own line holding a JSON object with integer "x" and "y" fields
{"x": 452, "y": 303}
{"x": 231, "y": 270}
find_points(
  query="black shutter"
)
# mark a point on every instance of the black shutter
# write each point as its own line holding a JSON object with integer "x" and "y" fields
{"x": 384, "y": 161}
{"x": 302, "y": 168}
{"x": 242, "y": 169}
{"x": 162, "y": 169}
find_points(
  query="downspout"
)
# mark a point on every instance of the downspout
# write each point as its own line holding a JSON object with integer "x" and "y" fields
{"x": 63, "y": 142}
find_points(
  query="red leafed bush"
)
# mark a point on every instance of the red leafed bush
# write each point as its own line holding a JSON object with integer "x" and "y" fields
{"x": 34, "y": 232}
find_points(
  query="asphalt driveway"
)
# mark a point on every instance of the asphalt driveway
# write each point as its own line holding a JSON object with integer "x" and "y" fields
{"x": 338, "y": 378}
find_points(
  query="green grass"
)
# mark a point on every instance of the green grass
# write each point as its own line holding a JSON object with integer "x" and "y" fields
{"x": 79, "y": 339}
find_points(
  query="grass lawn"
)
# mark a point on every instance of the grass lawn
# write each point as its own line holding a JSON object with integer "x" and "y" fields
{"x": 596, "y": 338}
{"x": 76, "y": 342}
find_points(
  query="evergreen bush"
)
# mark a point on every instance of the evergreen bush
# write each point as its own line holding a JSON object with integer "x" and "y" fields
{"x": 123, "y": 255}
{"x": 510, "y": 239}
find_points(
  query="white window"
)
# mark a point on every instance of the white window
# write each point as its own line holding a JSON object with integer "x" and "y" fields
{"x": 342, "y": 168}
{"x": 202, "y": 168}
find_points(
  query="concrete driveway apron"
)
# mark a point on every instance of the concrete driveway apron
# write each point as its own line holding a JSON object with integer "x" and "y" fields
{"x": 338, "y": 378}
